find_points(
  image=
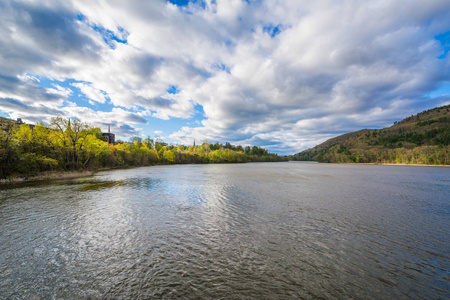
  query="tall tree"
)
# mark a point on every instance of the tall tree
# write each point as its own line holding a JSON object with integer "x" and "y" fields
{"x": 73, "y": 136}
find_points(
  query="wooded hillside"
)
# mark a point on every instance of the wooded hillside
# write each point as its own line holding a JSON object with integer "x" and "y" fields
{"x": 420, "y": 139}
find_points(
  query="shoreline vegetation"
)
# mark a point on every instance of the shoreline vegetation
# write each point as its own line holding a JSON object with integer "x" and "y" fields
{"x": 47, "y": 176}
{"x": 69, "y": 146}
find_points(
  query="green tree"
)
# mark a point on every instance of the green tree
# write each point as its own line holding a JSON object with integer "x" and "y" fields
{"x": 72, "y": 137}
{"x": 8, "y": 154}
{"x": 169, "y": 156}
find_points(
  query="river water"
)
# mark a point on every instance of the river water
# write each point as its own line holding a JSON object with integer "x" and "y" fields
{"x": 233, "y": 231}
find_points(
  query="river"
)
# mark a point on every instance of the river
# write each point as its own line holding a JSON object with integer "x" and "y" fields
{"x": 287, "y": 230}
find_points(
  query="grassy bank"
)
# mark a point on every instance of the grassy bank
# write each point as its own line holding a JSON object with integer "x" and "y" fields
{"x": 46, "y": 176}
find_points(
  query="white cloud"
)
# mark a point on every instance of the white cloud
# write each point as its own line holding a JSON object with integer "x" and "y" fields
{"x": 59, "y": 90}
{"x": 332, "y": 67}
{"x": 90, "y": 92}
{"x": 119, "y": 119}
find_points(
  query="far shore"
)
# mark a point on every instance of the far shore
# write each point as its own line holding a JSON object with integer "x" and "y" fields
{"x": 392, "y": 164}
{"x": 379, "y": 164}
{"x": 420, "y": 165}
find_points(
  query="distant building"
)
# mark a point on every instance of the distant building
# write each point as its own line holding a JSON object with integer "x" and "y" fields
{"x": 109, "y": 137}
{"x": 20, "y": 122}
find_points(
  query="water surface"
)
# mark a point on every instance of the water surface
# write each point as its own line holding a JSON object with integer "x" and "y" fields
{"x": 241, "y": 231}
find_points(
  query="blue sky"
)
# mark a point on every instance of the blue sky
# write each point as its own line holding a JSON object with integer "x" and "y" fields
{"x": 281, "y": 75}
{"x": 153, "y": 127}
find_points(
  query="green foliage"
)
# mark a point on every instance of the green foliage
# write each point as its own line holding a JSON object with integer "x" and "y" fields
{"x": 33, "y": 163}
{"x": 73, "y": 145}
{"x": 8, "y": 154}
{"x": 420, "y": 139}
{"x": 169, "y": 157}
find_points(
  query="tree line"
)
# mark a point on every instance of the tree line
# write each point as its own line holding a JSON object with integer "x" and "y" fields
{"x": 338, "y": 153}
{"x": 67, "y": 144}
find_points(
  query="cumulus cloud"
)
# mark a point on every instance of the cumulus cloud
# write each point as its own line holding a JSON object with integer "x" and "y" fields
{"x": 33, "y": 113}
{"x": 90, "y": 92}
{"x": 27, "y": 89}
{"x": 118, "y": 119}
{"x": 284, "y": 75}
{"x": 333, "y": 69}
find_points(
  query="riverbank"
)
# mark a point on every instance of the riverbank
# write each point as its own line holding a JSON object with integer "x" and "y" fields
{"x": 379, "y": 164}
{"x": 393, "y": 164}
{"x": 416, "y": 165}
{"x": 47, "y": 176}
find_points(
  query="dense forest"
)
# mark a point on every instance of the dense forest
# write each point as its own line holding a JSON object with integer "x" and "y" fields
{"x": 420, "y": 139}
{"x": 72, "y": 145}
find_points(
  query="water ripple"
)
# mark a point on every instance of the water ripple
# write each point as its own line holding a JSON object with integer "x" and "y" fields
{"x": 229, "y": 232}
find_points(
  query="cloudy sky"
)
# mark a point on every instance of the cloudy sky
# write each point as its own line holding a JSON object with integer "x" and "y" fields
{"x": 285, "y": 75}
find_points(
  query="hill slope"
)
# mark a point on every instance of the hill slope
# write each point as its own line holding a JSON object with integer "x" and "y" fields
{"x": 420, "y": 139}
{"x": 5, "y": 124}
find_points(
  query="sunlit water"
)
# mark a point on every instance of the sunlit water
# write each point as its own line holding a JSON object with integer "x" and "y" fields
{"x": 242, "y": 231}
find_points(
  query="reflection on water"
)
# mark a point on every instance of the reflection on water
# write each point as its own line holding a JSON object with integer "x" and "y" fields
{"x": 272, "y": 231}
{"x": 136, "y": 183}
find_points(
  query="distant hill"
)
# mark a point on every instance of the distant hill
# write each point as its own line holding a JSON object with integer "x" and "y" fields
{"x": 6, "y": 123}
{"x": 420, "y": 139}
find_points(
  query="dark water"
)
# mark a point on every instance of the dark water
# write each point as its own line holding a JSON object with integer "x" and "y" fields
{"x": 248, "y": 231}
